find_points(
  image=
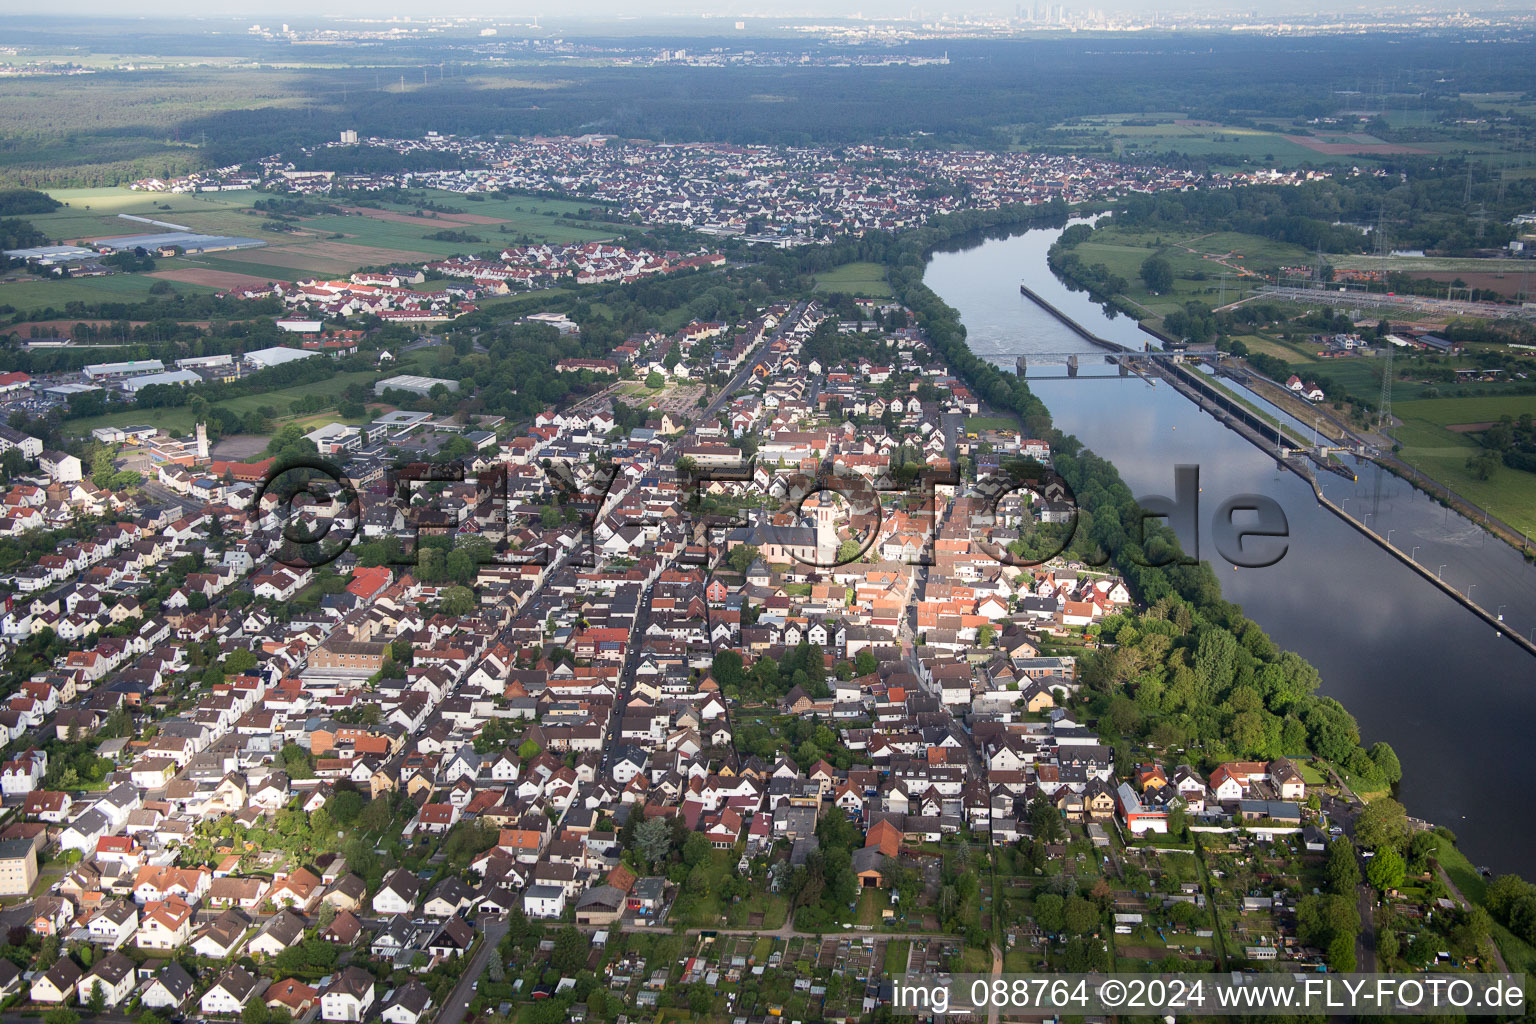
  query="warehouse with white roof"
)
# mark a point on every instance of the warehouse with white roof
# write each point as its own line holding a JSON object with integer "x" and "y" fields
{"x": 277, "y": 355}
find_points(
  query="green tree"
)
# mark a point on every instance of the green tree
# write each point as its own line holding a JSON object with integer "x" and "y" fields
{"x": 653, "y": 839}
{"x": 1157, "y": 274}
{"x": 1341, "y": 952}
{"x": 696, "y": 849}
{"x": 1385, "y": 870}
{"x": 1080, "y": 916}
{"x": 1343, "y": 870}
{"x": 1387, "y": 764}
{"x": 1383, "y": 824}
{"x": 741, "y": 557}
{"x": 1050, "y": 912}
{"x": 255, "y": 1012}
{"x": 458, "y": 601}
{"x": 570, "y": 954}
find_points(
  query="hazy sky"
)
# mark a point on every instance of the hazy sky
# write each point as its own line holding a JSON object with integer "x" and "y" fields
{"x": 565, "y": 10}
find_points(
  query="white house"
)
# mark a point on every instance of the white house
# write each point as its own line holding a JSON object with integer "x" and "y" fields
{"x": 113, "y": 977}
{"x": 231, "y": 992}
{"x": 349, "y": 997}
{"x": 544, "y": 901}
{"x": 398, "y": 894}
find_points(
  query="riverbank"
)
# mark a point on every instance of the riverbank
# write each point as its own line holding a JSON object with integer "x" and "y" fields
{"x": 1246, "y": 424}
{"x": 1383, "y": 643}
{"x": 1376, "y": 446}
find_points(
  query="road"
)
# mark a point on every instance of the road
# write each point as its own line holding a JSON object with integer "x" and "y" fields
{"x": 1365, "y": 896}
{"x": 457, "y": 1004}
{"x": 162, "y": 493}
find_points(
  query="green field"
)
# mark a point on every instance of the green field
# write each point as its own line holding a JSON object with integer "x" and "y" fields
{"x": 1442, "y": 455}
{"x": 990, "y": 423}
{"x": 1452, "y": 411}
{"x": 1198, "y": 262}
{"x": 863, "y": 279}
{"x": 1159, "y": 133}
{"x": 39, "y": 294}
{"x": 93, "y": 212}
{"x": 1361, "y": 377}
{"x": 180, "y": 419}
{"x": 383, "y": 234}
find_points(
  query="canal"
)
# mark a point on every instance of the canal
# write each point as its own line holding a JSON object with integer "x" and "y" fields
{"x": 1415, "y": 668}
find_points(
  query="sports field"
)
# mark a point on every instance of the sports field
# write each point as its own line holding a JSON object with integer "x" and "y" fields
{"x": 866, "y": 280}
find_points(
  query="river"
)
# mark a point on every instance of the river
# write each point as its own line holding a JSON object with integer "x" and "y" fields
{"x": 1414, "y": 667}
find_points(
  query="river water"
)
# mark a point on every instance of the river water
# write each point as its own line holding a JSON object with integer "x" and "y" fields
{"x": 1456, "y": 701}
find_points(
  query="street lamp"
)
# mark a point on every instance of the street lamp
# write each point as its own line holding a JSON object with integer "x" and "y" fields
{"x": 1414, "y": 555}
{"x": 1470, "y": 588}
{"x": 1367, "y": 519}
{"x": 1439, "y": 571}
{"x": 1389, "y": 537}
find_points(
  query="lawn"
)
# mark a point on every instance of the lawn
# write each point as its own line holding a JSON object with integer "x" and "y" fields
{"x": 990, "y": 423}
{"x": 1289, "y": 351}
{"x": 896, "y": 956}
{"x": 862, "y": 279}
{"x": 180, "y": 420}
{"x": 526, "y": 215}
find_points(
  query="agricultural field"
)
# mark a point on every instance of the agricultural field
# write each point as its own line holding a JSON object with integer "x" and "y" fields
{"x": 94, "y": 213}
{"x": 1454, "y": 412}
{"x": 866, "y": 280}
{"x": 1277, "y": 142}
{"x": 36, "y": 293}
{"x": 1227, "y": 145}
{"x": 329, "y": 245}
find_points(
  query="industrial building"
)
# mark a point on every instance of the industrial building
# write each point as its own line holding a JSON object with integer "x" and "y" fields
{"x": 187, "y": 241}
{"x": 133, "y": 385}
{"x": 130, "y": 368}
{"x": 277, "y": 355}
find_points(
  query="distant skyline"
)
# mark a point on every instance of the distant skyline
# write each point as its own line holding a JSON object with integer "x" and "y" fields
{"x": 593, "y": 10}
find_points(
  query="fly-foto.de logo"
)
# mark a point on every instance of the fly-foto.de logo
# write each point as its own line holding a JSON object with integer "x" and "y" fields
{"x": 1023, "y": 514}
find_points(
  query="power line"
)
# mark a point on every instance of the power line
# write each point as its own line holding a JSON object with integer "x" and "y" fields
{"x": 1386, "y": 390}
